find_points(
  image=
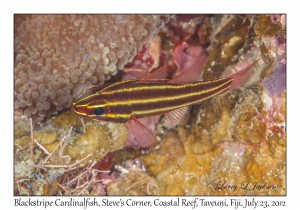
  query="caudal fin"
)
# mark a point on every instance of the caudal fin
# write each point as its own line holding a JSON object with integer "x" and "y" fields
{"x": 241, "y": 77}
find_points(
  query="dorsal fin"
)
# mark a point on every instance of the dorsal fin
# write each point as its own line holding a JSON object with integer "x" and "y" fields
{"x": 241, "y": 77}
{"x": 135, "y": 73}
{"x": 189, "y": 75}
{"x": 161, "y": 73}
{"x": 143, "y": 74}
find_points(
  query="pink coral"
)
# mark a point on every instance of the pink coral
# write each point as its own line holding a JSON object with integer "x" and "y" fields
{"x": 275, "y": 18}
{"x": 274, "y": 86}
{"x": 273, "y": 108}
{"x": 280, "y": 45}
{"x": 187, "y": 56}
{"x": 238, "y": 148}
{"x": 275, "y": 83}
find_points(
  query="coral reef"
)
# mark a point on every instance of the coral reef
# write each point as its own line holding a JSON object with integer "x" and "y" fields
{"x": 57, "y": 149}
{"x": 59, "y": 56}
{"x": 232, "y": 144}
{"x": 223, "y": 147}
{"x": 186, "y": 25}
{"x": 230, "y": 36}
{"x": 133, "y": 180}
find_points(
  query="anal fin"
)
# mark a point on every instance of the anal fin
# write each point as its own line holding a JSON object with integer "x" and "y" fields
{"x": 177, "y": 116}
{"x": 144, "y": 136}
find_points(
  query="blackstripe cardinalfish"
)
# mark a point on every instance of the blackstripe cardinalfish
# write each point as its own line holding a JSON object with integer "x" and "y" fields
{"x": 127, "y": 101}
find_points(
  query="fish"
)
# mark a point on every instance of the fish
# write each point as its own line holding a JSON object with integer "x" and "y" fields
{"x": 151, "y": 95}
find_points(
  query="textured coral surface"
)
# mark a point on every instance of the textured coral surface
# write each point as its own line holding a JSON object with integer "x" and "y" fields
{"x": 232, "y": 144}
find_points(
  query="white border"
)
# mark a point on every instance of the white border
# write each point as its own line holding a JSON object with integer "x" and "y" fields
{"x": 8, "y": 8}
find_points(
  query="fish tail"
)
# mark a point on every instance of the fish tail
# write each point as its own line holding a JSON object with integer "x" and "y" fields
{"x": 241, "y": 77}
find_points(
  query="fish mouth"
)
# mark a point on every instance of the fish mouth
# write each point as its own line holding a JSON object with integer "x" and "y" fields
{"x": 79, "y": 109}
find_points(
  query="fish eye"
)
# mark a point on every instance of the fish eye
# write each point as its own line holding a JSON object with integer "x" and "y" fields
{"x": 98, "y": 111}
